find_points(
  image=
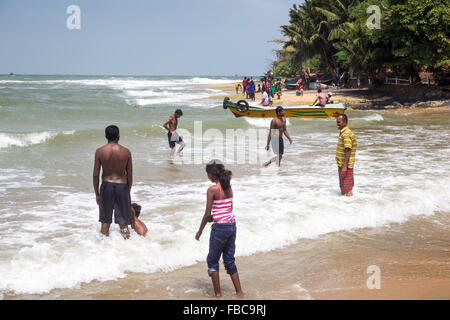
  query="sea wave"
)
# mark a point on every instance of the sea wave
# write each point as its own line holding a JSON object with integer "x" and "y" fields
{"x": 262, "y": 123}
{"x": 79, "y": 254}
{"x": 372, "y": 117}
{"x": 125, "y": 83}
{"x": 27, "y": 139}
{"x": 168, "y": 98}
{"x": 170, "y": 92}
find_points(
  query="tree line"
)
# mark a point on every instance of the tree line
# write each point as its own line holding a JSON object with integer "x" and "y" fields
{"x": 409, "y": 37}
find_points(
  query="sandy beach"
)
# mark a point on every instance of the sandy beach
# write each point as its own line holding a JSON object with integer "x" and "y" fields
{"x": 333, "y": 272}
{"x": 109, "y": 107}
{"x": 384, "y": 98}
{"x": 412, "y": 256}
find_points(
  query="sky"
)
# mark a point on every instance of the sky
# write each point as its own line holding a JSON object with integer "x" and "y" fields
{"x": 138, "y": 37}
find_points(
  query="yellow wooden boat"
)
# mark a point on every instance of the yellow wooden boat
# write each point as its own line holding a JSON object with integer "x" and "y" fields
{"x": 243, "y": 109}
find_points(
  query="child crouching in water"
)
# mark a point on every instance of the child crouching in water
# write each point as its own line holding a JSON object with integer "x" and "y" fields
{"x": 137, "y": 224}
{"x": 219, "y": 209}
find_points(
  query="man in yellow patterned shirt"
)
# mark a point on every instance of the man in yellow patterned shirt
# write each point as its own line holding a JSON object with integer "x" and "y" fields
{"x": 345, "y": 155}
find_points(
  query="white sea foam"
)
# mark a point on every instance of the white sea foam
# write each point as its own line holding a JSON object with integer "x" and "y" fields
{"x": 302, "y": 292}
{"x": 372, "y": 117}
{"x": 262, "y": 123}
{"x": 125, "y": 83}
{"x": 168, "y": 98}
{"x": 28, "y": 139}
{"x": 267, "y": 220}
{"x": 211, "y": 81}
{"x": 142, "y": 93}
{"x": 13, "y": 178}
{"x": 13, "y": 81}
{"x": 50, "y": 231}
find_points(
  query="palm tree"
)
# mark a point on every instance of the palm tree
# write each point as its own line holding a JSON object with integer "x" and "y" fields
{"x": 300, "y": 32}
{"x": 315, "y": 26}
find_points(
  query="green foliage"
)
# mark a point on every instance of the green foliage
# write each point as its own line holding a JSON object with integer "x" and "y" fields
{"x": 284, "y": 69}
{"x": 314, "y": 64}
{"x": 424, "y": 37}
{"x": 414, "y": 34}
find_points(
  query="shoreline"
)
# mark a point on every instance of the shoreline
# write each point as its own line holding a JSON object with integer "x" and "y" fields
{"x": 412, "y": 255}
{"x": 330, "y": 267}
{"x": 383, "y": 98}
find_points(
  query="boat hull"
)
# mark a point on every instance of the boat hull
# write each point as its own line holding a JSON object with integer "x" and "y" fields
{"x": 329, "y": 111}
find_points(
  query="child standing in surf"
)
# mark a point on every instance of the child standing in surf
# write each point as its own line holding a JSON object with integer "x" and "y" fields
{"x": 219, "y": 210}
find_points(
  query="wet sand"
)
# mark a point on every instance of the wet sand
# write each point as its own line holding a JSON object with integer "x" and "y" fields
{"x": 413, "y": 259}
{"x": 394, "y": 290}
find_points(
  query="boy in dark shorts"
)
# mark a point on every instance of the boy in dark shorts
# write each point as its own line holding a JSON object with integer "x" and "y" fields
{"x": 117, "y": 179}
{"x": 171, "y": 126}
{"x": 275, "y": 138}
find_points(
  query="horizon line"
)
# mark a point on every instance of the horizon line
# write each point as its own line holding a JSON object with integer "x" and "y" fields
{"x": 126, "y": 75}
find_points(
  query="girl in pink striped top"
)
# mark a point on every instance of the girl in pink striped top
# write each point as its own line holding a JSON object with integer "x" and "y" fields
{"x": 219, "y": 209}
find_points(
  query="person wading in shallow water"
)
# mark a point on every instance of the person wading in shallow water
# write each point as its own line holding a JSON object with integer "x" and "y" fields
{"x": 277, "y": 129}
{"x": 117, "y": 179}
{"x": 172, "y": 135}
{"x": 219, "y": 209}
{"x": 345, "y": 155}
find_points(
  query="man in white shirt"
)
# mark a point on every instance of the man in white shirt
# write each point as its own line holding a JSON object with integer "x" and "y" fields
{"x": 265, "y": 99}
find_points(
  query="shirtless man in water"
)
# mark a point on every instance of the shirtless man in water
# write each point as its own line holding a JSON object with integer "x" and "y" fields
{"x": 277, "y": 128}
{"x": 117, "y": 178}
{"x": 172, "y": 135}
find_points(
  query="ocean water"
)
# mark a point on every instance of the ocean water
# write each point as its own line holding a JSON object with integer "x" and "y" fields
{"x": 50, "y": 127}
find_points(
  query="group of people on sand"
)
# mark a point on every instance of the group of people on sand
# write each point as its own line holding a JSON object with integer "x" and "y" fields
{"x": 304, "y": 79}
{"x": 113, "y": 196}
{"x": 269, "y": 88}
{"x": 248, "y": 88}
{"x": 272, "y": 86}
